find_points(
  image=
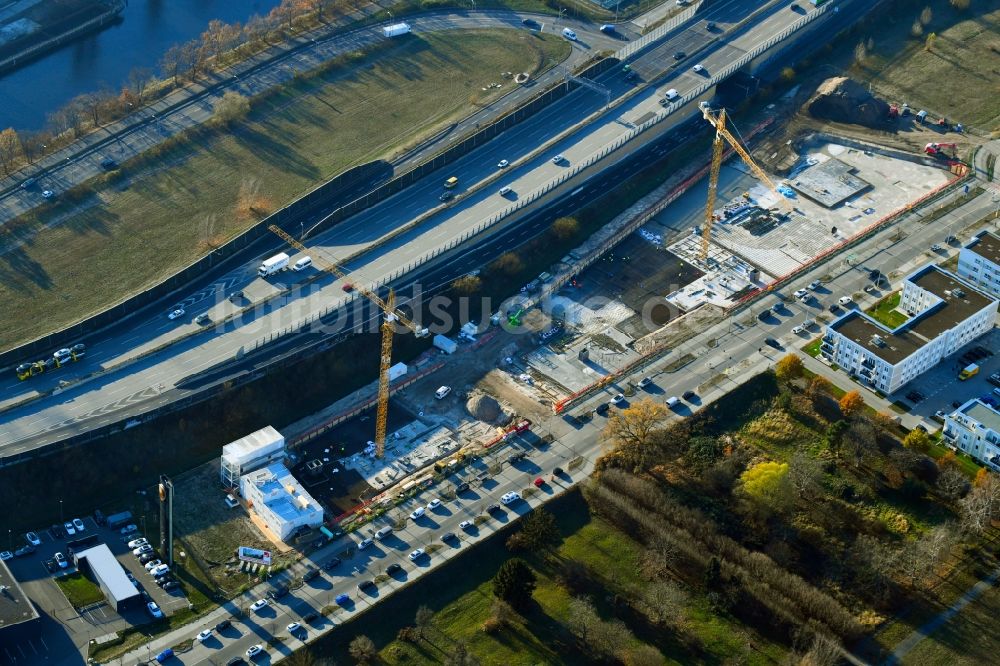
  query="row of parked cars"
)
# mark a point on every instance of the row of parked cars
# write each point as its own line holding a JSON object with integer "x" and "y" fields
{"x": 150, "y": 560}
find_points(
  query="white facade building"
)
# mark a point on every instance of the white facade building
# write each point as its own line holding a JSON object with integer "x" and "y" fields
{"x": 945, "y": 314}
{"x": 979, "y": 263}
{"x": 281, "y": 502}
{"x": 975, "y": 428}
{"x": 254, "y": 451}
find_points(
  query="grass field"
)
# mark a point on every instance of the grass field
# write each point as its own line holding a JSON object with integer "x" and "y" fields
{"x": 957, "y": 77}
{"x": 886, "y": 313}
{"x": 173, "y": 211}
{"x": 79, "y": 589}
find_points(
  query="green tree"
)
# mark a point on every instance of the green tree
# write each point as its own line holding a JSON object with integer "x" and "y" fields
{"x": 787, "y": 74}
{"x": 538, "y": 531}
{"x": 834, "y": 435}
{"x": 514, "y": 583}
{"x": 789, "y": 367}
{"x": 231, "y": 108}
{"x": 768, "y": 484}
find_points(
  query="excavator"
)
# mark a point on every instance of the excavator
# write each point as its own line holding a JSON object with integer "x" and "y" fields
{"x": 938, "y": 150}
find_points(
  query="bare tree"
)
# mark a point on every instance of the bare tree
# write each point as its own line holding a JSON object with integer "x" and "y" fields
{"x": 172, "y": 62}
{"x": 952, "y": 484}
{"x": 362, "y": 648}
{"x": 138, "y": 80}
{"x": 823, "y": 652}
{"x": 981, "y": 506}
{"x": 33, "y": 144}
{"x": 805, "y": 473}
{"x": 422, "y": 620}
{"x": 10, "y": 149}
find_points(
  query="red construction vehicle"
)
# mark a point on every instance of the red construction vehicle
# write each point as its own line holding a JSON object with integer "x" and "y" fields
{"x": 938, "y": 149}
{"x": 893, "y": 112}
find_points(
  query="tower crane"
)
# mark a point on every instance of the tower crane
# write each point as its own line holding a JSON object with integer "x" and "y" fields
{"x": 718, "y": 121}
{"x": 391, "y": 314}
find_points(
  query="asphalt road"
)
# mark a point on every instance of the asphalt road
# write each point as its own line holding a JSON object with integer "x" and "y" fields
{"x": 165, "y": 118}
{"x": 729, "y": 348}
{"x": 103, "y": 400}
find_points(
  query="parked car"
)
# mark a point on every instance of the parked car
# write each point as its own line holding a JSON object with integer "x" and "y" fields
{"x": 364, "y": 543}
{"x": 129, "y": 529}
{"x": 159, "y": 570}
{"x": 203, "y": 635}
{"x": 332, "y": 563}
{"x": 417, "y": 513}
{"x": 509, "y": 498}
{"x": 689, "y": 395}
{"x": 448, "y": 536}
{"x": 152, "y": 564}
{"x": 165, "y": 656}
{"x": 259, "y": 605}
{"x": 465, "y": 525}
{"x": 644, "y": 382}
{"x": 293, "y": 628}
{"x": 255, "y": 650}
{"x": 170, "y": 585}
{"x": 154, "y": 610}
{"x": 135, "y": 543}
{"x": 461, "y": 488}
{"x": 6, "y": 555}
{"x": 416, "y": 554}
{"x": 223, "y": 625}
{"x": 61, "y": 560}
{"x": 366, "y": 584}
{"x": 492, "y": 508}
{"x": 433, "y": 504}
{"x": 33, "y": 539}
{"x": 342, "y": 600}
{"x": 142, "y": 550}
{"x": 845, "y": 300}
{"x": 174, "y": 314}
{"x": 69, "y": 529}
{"x": 618, "y": 399}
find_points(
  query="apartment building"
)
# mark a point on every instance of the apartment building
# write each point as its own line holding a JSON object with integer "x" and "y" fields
{"x": 979, "y": 263}
{"x": 975, "y": 428}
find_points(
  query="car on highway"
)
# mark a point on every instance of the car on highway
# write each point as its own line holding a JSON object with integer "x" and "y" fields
{"x": 174, "y": 314}
{"x": 433, "y": 504}
{"x": 33, "y": 539}
{"x": 203, "y": 635}
{"x": 255, "y": 650}
{"x": 293, "y": 628}
{"x": 28, "y": 184}
{"x": 259, "y": 605}
{"x": 61, "y": 560}
{"x": 509, "y": 498}
{"x": 416, "y": 554}
{"x": 531, "y": 23}
{"x": 348, "y": 287}
{"x": 680, "y": 55}
{"x": 503, "y": 164}
{"x": 446, "y": 196}
{"x": 108, "y": 164}
{"x": 569, "y": 34}
{"x": 505, "y": 190}
{"x": 154, "y": 610}
{"x": 710, "y": 26}
{"x": 418, "y": 513}
{"x": 671, "y": 94}
{"x": 558, "y": 159}
{"x": 202, "y": 319}
{"x": 698, "y": 69}
{"x": 465, "y": 525}
{"x": 69, "y": 529}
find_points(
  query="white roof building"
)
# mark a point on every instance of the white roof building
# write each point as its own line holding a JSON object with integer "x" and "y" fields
{"x": 945, "y": 314}
{"x": 252, "y": 452}
{"x": 109, "y": 574}
{"x": 280, "y": 501}
{"x": 975, "y": 428}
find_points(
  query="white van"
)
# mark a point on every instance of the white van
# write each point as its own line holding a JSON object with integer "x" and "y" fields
{"x": 383, "y": 533}
{"x": 569, "y": 34}
{"x": 442, "y": 392}
{"x": 505, "y": 190}
{"x": 673, "y": 401}
{"x": 303, "y": 263}
{"x": 671, "y": 94}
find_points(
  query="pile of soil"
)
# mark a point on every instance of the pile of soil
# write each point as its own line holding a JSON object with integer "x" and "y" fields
{"x": 484, "y": 407}
{"x": 845, "y": 101}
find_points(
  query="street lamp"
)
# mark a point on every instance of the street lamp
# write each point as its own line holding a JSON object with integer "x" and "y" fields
{"x": 61, "y": 519}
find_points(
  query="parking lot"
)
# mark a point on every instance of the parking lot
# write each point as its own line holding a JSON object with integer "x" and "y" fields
{"x": 940, "y": 390}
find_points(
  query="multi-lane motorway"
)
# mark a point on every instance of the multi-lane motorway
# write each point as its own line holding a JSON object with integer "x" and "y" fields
{"x": 728, "y": 348}
{"x": 123, "y": 392}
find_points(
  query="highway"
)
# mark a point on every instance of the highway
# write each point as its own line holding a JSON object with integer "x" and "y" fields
{"x": 731, "y": 349}
{"x": 120, "y": 393}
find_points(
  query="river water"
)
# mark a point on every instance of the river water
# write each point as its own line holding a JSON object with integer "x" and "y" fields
{"x": 147, "y": 29}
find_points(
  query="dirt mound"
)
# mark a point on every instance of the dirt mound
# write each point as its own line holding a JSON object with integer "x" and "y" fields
{"x": 484, "y": 407}
{"x": 844, "y": 101}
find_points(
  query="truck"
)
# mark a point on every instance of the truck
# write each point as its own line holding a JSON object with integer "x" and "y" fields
{"x": 970, "y": 370}
{"x": 396, "y": 29}
{"x": 272, "y": 265}
{"x": 445, "y": 344}
{"x": 117, "y": 520}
